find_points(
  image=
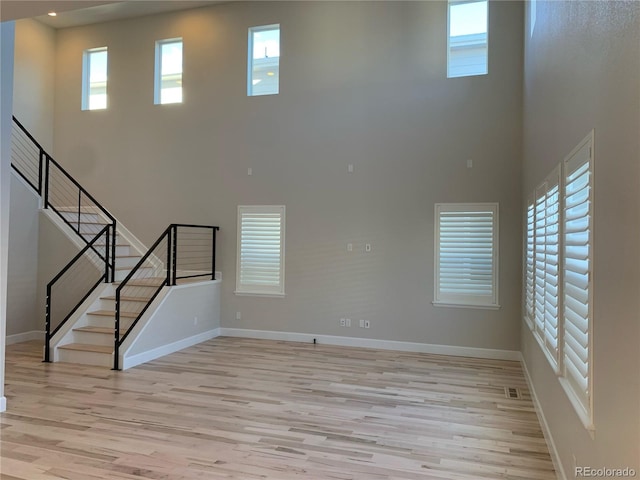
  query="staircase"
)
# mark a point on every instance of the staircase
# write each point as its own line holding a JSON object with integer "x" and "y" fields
{"x": 103, "y": 296}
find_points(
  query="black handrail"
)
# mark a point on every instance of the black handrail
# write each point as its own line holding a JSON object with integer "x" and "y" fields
{"x": 170, "y": 236}
{"x": 44, "y": 189}
{"x": 49, "y": 333}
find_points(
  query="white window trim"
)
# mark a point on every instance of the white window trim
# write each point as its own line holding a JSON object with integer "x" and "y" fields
{"x": 252, "y": 290}
{"x": 86, "y": 78}
{"x": 252, "y": 30}
{"x": 438, "y": 301}
{"x": 157, "y": 73}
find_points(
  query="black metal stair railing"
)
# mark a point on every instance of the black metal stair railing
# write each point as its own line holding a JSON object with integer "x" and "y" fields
{"x": 73, "y": 285}
{"x": 182, "y": 252}
{"x": 62, "y": 194}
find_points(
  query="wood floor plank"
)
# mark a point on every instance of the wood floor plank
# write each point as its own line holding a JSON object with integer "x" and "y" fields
{"x": 248, "y": 409}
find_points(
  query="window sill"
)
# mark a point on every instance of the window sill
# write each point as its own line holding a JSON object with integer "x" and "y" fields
{"x": 583, "y": 415}
{"x": 243, "y": 293}
{"x": 466, "y": 305}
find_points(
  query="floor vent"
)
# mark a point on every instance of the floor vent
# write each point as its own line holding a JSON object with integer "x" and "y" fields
{"x": 512, "y": 392}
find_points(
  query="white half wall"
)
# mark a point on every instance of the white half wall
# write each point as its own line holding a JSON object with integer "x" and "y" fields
{"x": 185, "y": 316}
{"x": 22, "y": 275}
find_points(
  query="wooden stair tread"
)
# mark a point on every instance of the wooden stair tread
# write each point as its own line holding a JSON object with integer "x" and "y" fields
{"x": 108, "y": 331}
{"x": 124, "y": 298}
{"x": 144, "y": 282}
{"x": 84, "y": 347}
{"x": 112, "y": 313}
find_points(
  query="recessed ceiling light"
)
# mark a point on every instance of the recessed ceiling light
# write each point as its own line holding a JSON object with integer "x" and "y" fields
{"x": 52, "y": 14}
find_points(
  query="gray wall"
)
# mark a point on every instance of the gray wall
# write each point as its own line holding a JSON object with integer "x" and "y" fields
{"x": 362, "y": 84}
{"x": 34, "y": 79}
{"x": 582, "y": 67}
{"x": 7, "y": 35}
{"x": 23, "y": 313}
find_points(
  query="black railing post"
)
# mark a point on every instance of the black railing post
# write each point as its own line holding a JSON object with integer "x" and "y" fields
{"x": 40, "y": 172}
{"x": 107, "y": 251}
{"x": 47, "y": 326}
{"x": 116, "y": 345}
{"x": 79, "y": 209}
{"x": 213, "y": 253}
{"x": 46, "y": 180}
{"x": 169, "y": 250}
{"x": 113, "y": 252}
{"x": 175, "y": 253}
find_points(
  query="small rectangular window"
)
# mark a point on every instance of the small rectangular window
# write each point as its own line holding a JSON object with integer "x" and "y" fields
{"x": 466, "y": 254}
{"x": 168, "y": 73}
{"x": 260, "y": 261}
{"x": 467, "y": 42}
{"x": 264, "y": 61}
{"x": 94, "y": 79}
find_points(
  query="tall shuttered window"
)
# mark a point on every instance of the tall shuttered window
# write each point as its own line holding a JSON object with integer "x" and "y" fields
{"x": 578, "y": 204}
{"x": 547, "y": 261}
{"x": 260, "y": 262}
{"x": 530, "y": 265}
{"x": 558, "y": 284}
{"x": 466, "y": 255}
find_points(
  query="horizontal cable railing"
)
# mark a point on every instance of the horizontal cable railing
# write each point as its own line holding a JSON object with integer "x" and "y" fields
{"x": 27, "y": 156}
{"x": 182, "y": 252}
{"x": 73, "y": 285}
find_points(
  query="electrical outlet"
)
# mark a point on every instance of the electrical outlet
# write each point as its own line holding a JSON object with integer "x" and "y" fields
{"x": 367, "y": 324}
{"x": 238, "y": 316}
{"x": 348, "y": 322}
{"x": 349, "y": 247}
{"x": 350, "y": 168}
{"x": 249, "y": 171}
{"x": 361, "y": 323}
{"x": 367, "y": 247}
{"x": 343, "y": 322}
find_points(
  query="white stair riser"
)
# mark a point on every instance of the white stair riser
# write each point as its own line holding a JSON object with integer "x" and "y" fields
{"x": 90, "y": 227}
{"x": 94, "y": 338}
{"x": 85, "y": 358}
{"x": 143, "y": 272}
{"x": 107, "y": 322}
{"x": 89, "y": 236}
{"x": 131, "y": 307}
{"x": 127, "y": 261}
{"x": 72, "y": 217}
{"x": 120, "y": 250}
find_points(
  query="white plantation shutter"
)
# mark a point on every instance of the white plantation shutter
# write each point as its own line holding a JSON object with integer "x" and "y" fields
{"x": 577, "y": 281}
{"x": 466, "y": 254}
{"x": 260, "y": 264}
{"x": 530, "y": 265}
{"x": 547, "y": 261}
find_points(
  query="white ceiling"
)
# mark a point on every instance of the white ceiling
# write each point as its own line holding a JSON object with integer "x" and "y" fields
{"x": 73, "y": 13}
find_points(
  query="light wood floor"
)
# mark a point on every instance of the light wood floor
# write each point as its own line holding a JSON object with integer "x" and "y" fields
{"x": 250, "y": 409}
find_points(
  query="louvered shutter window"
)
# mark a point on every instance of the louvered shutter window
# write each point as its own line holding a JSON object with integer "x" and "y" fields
{"x": 577, "y": 281}
{"x": 466, "y": 254}
{"x": 260, "y": 263}
{"x": 546, "y": 268}
{"x": 530, "y": 264}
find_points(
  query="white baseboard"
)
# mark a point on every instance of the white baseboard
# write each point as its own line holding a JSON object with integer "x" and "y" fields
{"x": 25, "y": 337}
{"x": 373, "y": 343}
{"x": 555, "y": 457}
{"x": 3, "y": 404}
{"x": 139, "y": 358}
